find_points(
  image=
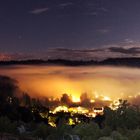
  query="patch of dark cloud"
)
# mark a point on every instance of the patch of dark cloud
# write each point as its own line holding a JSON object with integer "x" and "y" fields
{"x": 97, "y": 53}
{"x": 132, "y": 51}
{"x": 73, "y": 54}
{"x": 120, "y": 50}
{"x": 77, "y": 50}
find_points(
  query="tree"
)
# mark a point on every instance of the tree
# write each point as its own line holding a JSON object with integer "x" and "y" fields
{"x": 125, "y": 116}
{"x": 105, "y": 138}
{"x": 111, "y": 119}
{"x": 62, "y": 130}
{"x": 8, "y": 88}
{"x": 85, "y": 101}
{"x": 89, "y": 131}
{"x": 117, "y": 136}
{"x": 65, "y": 99}
{"x": 26, "y": 100}
{"x": 43, "y": 131}
{"x": 136, "y": 135}
{"x": 6, "y": 126}
{"x": 25, "y": 114}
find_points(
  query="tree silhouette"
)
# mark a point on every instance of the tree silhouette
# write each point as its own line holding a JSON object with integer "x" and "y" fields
{"x": 65, "y": 99}
{"x": 8, "y": 88}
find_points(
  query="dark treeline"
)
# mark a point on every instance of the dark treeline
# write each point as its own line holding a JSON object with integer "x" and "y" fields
{"x": 132, "y": 62}
{"x": 18, "y": 109}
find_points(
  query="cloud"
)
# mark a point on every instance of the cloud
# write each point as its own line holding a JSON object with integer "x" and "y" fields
{"x": 127, "y": 48}
{"x": 65, "y": 4}
{"x": 103, "y": 31}
{"x": 80, "y": 54}
{"x": 17, "y": 56}
{"x": 38, "y": 11}
{"x": 124, "y": 49}
{"x": 92, "y": 13}
{"x": 129, "y": 41}
{"x": 103, "y": 9}
{"x": 133, "y": 51}
{"x": 95, "y": 9}
{"x": 4, "y": 56}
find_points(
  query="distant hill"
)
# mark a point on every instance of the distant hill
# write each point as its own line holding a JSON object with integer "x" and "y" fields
{"x": 132, "y": 62}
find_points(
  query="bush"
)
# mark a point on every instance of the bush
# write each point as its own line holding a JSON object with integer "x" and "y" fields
{"x": 6, "y": 126}
{"x": 43, "y": 131}
{"x": 117, "y": 136}
{"x": 106, "y": 131}
{"x": 136, "y": 135}
{"x": 86, "y": 131}
{"x": 105, "y": 138}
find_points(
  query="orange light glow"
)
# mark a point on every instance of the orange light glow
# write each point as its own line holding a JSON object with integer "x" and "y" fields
{"x": 104, "y": 82}
{"x": 105, "y": 98}
{"x": 115, "y": 104}
{"x": 75, "y": 99}
{"x": 80, "y": 110}
{"x": 92, "y": 101}
{"x": 60, "y": 108}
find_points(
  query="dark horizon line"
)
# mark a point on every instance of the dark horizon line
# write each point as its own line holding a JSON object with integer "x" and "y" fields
{"x": 127, "y": 61}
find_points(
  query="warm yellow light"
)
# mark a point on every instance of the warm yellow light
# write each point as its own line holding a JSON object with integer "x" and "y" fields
{"x": 43, "y": 114}
{"x": 98, "y": 110}
{"x": 96, "y": 96}
{"x": 80, "y": 110}
{"x": 60, "y": 108}
{"x": 115, "y": 105}
{"x": 52, "y": 124}
{"x": 75, "y": 99}
{"x": 92, "y": 101}
{"x": 106, "y": 98}
{"x": 92, "y": 114}
{"x": 71, "y": 121}
{"x": 51, "y": 121}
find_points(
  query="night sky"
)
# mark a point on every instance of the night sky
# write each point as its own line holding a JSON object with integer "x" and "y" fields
{"x": 77, "y": 29}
